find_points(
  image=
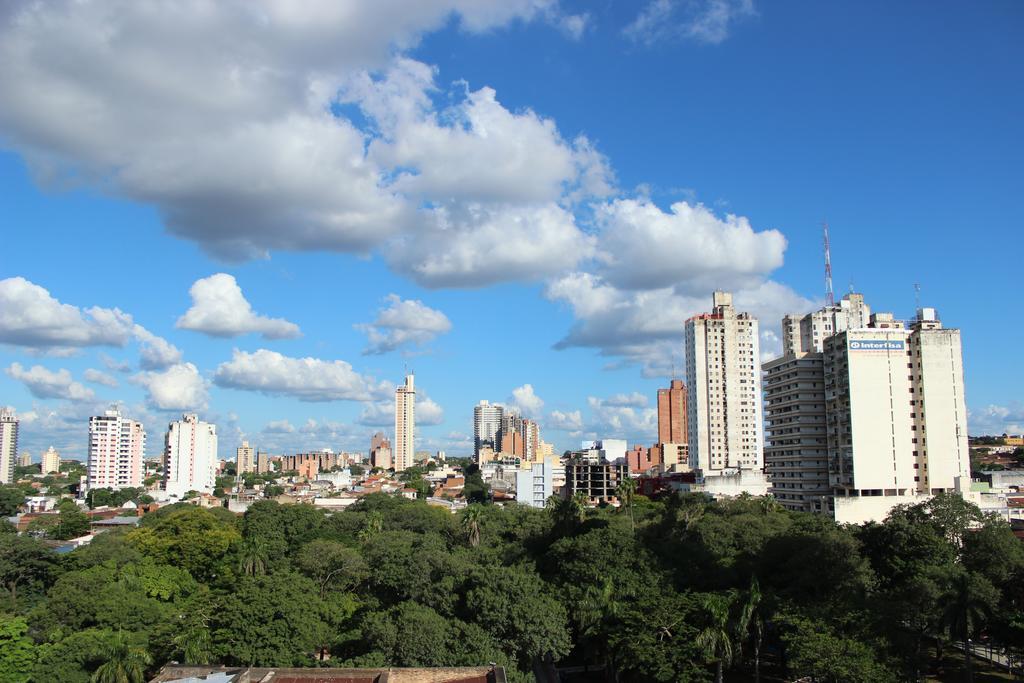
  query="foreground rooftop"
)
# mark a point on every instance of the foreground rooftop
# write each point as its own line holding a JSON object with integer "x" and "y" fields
{"x": 174, "y": 673}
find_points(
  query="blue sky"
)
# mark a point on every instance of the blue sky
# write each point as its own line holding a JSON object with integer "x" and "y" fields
{"x": 519, "y": 193}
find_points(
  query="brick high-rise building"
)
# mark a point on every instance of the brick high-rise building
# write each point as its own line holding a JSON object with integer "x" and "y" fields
{"x": 672, "y": 413}
{"x": 117, "y": 445}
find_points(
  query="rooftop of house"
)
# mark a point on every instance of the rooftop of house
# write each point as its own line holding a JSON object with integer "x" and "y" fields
{"x": 174, "y": 673}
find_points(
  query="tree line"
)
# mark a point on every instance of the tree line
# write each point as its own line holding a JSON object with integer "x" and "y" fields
{"x": 676, "y": 589}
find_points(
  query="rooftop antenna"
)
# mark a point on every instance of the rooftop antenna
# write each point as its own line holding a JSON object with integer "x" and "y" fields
{"x": 917, "y": 296}
{"x": 830, "y": 299}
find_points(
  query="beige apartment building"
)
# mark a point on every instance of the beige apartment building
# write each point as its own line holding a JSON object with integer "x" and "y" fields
{"x": 51, "y": 461}
{"x": 896, "y": 415}
{"x": 405, "y": 424}
{"x": 245, "y": 458}
{"x": 724, "y": 400}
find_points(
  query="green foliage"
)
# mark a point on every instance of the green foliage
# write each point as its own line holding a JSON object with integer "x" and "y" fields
{"x": 11, "y": 498}
{"x": 186, "y": 536}
{"x": 112, "y": 498}
{"x": 675, "y": 589}
{"x": 816, "y": 650}
{"x": 17, "y": 651}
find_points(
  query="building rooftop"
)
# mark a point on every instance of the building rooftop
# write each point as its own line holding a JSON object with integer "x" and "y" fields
{"x": 174, "y": 673}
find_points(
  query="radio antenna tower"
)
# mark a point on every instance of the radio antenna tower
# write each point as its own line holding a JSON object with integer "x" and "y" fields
{"x": 830, "y": 299}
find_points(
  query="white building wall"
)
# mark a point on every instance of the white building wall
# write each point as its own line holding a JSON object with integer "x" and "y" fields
{"x": 941, "y": 412}
{"x": 535, "y": 485}
{"x": 190, "y": 456}
{"x": 8, "y": 445}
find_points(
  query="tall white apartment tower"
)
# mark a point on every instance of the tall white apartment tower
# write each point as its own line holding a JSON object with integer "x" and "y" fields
{"x": 796, "y": 447}
{"x": 724, "y": 407}
{"x": 896, "y": 415}
{"x": 190, "y": 456}
{"x": 486, "y": 425}
{"x": 8, "y": 444}
{"x": 405, "y": 424}
{"x": 245, "y": 458}
{"x": 117, "y": 445}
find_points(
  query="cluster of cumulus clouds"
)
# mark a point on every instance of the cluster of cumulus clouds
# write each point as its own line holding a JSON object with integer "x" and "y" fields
{"x": 256, "y": 126}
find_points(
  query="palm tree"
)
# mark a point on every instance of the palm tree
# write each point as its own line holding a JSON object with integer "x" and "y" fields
{"x": 751, "y": 621}
{"x": 471, "y": 524}
{"x": 715, "y": 639}
{"x": 966, "y": 608}
{"x": 625, "y": 492}
{"x": 124, "y": 663}
{"x": 253, "y": 558}
{"x": 569, "y": 513}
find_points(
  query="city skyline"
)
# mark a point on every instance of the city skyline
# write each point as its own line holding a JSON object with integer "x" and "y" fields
{"x": 625, "y": 197}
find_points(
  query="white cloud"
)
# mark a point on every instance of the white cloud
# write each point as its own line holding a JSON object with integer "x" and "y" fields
{"x": 31, "y": 317}
{"x": 279, "y": 427}
{"x": 633, "y": 400}
{"x": 528, "y": 403}
{"x": 114, "y": 364}
{"x": 474, "y": 245}
{"x": 226, "y": 126}
{"x": 382, "y": 413}
{"x": 646, "y": 327}
{"x": 702, "y": 21}
{"x": 612, "y": 419}
{"x": 219, "y": 309}
{"x": 307, "y": 379}
{"x": 179, "y": 387}
{"x": 99, "y": 377}
{"x": 43, "y": 383}
{"x": 403, "y": 321}
{"x": 569, "y": 421}
{"x": 691, "y": 249}
{"x": 996, "y": 419}
{"x": 155, "y": 353}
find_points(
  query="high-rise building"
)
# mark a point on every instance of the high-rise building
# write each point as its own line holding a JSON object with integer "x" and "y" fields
{"x": 796, "y": 447}
{"x": 724, "y": 400}
{"x": 807, "y": 333}
{"x": 531, "y": 439}
{"x": 8, "y": 444}
{"x": 486, "y": 426}
{"x": 262, "y": 462}
{"x": 511, "y": 430}
{"x": 672, "y": 413}
{"x": 190, "y": 456}
{"x": 117, "y": 445}
{"x": 405, "y": 424}
{"x": 380, "y": 452}
{"x": 245, "y": 458}
{"x": 895, "y": 415}
{"x": 51, "y": 461}
{"x": 24, "y": 459}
